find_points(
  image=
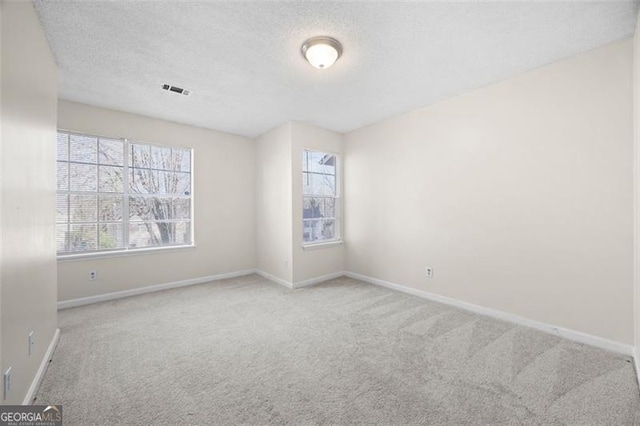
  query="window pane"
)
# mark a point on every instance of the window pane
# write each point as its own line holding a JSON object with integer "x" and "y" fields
{"x": 182, "y": 160}
{"x": 164, "y": 182}
{"x": 311, "y": 230}
{"x": 62, "y": 206}
{"x": 111, "y": 151}
{"x": 144, "y": 235}
{"x": 182, "y": 233}
{"x": 161, "y": 208}
{"x": 318, "y": 207}
{"x": 83, "y": 237}
{"x": 318, "y": 162}
{"x": 150, "y": 208}
{"x": 111, "y": 236}
{"x": 152, "y": 234}
{"x": 139, "y": 209}
{"x": 318, "y": 184}
{"x": 110, "y": 179}
{"x": 110, "y": 208}
{"x": 143, "y": 181}
{"x": 173, "y": 183}
{"x": 62, "y": 150}
{"x": 182, "y": 208}
{"x": 329, "y": 207}
{"x": 183, "y": 185}
{"x": 161, "y": 158}
{"x": 140, "y": 155}
{"x": 84, "y": 148}
{"x": 84, "y": 177}
{"x": 61, "y": 238}
{"x": 328, "y": 229}
{"x": 311, "y": 208}
{"x": 316, "y": 230}
{"x": 62, "y": 178}
{"x": 83, "y": 208}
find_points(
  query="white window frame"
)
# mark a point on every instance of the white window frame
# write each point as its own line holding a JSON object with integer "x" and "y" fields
{"x": 126, "y": 250}
{"x": 337, "y": 239}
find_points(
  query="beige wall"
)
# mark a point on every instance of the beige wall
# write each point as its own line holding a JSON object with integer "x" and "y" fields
{"x": 273, "y": 203}
{"x": 28, "y": 278}
{"x": 314, "y": 262}
{"x": 518, "y": 194}
{"x": 224, "y": 203}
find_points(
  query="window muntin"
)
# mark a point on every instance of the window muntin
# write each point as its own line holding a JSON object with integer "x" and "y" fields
{"x": 320, "y": 197}
{"x": 119, "y": 195}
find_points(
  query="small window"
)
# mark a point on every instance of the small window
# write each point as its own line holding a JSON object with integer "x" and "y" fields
{"x": 320, "y": 197}
{"x": 119, "y": 195}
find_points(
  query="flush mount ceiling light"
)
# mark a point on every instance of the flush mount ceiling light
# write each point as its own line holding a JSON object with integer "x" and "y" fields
{"x": 321, "y": 52}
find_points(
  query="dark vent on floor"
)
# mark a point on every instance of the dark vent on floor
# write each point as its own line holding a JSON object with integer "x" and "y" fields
{"x": 176, "y": 89}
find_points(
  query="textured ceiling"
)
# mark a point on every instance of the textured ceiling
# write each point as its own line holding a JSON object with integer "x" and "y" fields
{"x": 243, "y": 62}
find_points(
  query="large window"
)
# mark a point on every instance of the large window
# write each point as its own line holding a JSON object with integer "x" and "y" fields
{"x": 114, "y": 194}
{"x": 320, "y": 197}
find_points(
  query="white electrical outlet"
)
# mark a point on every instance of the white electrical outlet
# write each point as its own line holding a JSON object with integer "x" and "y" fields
{"x": 93, "y": 275}
{"x": 7, "y": 382}
{"x": 32, "y": 342}
{"x": 429, "y": 272}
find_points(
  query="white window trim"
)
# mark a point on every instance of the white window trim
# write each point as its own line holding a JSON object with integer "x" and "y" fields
{"x": 106, "y": 254}
{"x": 335, "y": 241}
{"x": 97, "y": 254}
{"x": 323, "y": 244}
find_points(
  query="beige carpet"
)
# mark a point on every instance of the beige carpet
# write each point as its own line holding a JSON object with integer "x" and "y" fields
{"x": 247, "y": 351}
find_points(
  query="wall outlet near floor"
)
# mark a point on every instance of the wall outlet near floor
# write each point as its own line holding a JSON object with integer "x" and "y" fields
{"x": 32, "y": 342}
{"x": 429, "y": 272}
{"x": 93, "y": 275}
{"x": 7, "y": 383}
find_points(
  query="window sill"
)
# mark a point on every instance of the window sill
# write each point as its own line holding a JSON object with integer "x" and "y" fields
{"x": 121, "y": 253}
{"x": 325, "y": 244}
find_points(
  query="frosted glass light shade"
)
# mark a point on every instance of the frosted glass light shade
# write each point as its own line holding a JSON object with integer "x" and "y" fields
{"x": 321, "y": 52}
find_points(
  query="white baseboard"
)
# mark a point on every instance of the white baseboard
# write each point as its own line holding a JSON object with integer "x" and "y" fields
{"x": 317, "y": 280}
{"x": 300, "y": 284}
{"x": 149, "y": 289}
{"x": 35, "y": 384}
{"x": 275, "y": 279}
{"x": 159, "y": 287}
{"x": 574, "y": 335}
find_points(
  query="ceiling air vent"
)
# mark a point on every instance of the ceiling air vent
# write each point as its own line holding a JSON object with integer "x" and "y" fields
{"x": 176, "y": 89}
